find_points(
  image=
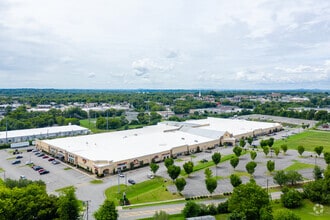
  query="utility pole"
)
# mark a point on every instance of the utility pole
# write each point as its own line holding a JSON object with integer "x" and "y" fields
{"x": 107, "y": 121}
{"x": 87, "y": 206}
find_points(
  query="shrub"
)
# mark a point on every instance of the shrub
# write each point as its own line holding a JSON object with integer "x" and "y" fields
{"x": 291, "y": 199}
{"x": 223, "y": 207}
{"x": 284, "y": 214}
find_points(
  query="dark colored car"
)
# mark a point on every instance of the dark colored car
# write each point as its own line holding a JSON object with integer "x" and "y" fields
{"x": 43, "y": 172}
{"x": 29, "y": 150}
{"x": 37, "y": 153}
{"x": 16, "y": 162}
{"x": 37, "y": 167}
{"x": 41, "y": 155}
{"x": 55, "y": 162}
{"x": 131, "y": 181}
{"x": 45, "y": 157}
{"x": 51, "y": 159}
{"x": 19, "y": 157}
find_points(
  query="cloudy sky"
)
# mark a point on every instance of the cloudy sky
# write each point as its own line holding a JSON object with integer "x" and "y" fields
{"x": 168, "y": 44}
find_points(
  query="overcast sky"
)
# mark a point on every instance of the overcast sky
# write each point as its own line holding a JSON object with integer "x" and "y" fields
{"x": 168, "y": 44}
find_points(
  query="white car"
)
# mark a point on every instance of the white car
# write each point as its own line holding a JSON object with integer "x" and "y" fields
{"x": 29, "y": 162}
{"x": 151, "y": 176}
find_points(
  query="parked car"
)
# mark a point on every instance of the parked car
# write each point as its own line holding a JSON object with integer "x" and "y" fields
{"x": 22, "y": 177}
{"x": 55, "y": 162}
{"x": 37, "y": 153}
{"x": 121, "y": 175}
{"x": 19, "y": 157}
{"x": 29, "y": 150}
{"x": 131, "y": 181}
{"x": 43, "y": 172}
{"x": 29, "y": 162}
{"x": 204, "y": 160}
{"x": 37, "y": 167}
{"x": 16, "y": 162}
{"x": 151, "y": 176}
{"x": 51, "y": 159}
{"x": 45, "y": 157}
{"x": 41, "y": 155}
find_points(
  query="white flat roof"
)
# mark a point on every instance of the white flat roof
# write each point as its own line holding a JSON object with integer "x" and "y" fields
{"x": 128, "y": 144}
{"x": 121, "y": 145}
{"x": 40, "y": 131}
{"x": 233, "y": 126}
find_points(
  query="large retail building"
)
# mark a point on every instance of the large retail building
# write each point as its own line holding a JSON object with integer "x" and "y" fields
{"x": 106, "y": 153}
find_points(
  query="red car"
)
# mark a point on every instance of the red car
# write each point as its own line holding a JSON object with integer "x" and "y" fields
{"x": 51, "y": 159}
{"x": 44, "y": 157}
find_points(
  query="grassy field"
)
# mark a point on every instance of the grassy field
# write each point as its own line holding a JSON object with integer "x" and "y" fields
{"x": 306, "y": 212}
{"x": 91, "y": 125}
{"x": 148, "y": 191}
{"x": 308, "y": 139}
{"x": 299, "y": 166}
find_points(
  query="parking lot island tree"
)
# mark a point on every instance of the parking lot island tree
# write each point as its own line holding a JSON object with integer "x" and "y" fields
{"x": 216, "y": 157}
{"x": 270, "y": 166}
{"x": 318, "y": 150}
{"x": 235, "y": 180}
{"x": 280, "y": 178}
{"x": 168, "y": 162}
{"x": 234, "y": 162}
{"x": 180, "y": 183}
{"x": 154, "y": 167}
{"x": 284, "y": 148}
{"x": 276, "y": 151}
{"x": 211, "y": 184}
{"x": 188, "y": 167}
{"x": 237, "y": 151}
{"x": 265, "y": 150}
{"x": 326, "y": 157}
{"x": 173, "y": 171}
{"x": 253, "y": 155}
{"x": 301, "y": 150}
{"x": 242, "y": 142}
{"x": 250, "y": 167}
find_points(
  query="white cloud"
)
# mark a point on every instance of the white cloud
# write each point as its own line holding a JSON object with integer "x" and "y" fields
{"x": 145, "y": 66}
{"x": 91, "y": 75}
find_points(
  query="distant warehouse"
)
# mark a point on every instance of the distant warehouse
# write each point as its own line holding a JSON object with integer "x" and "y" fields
{"x": 25, "y": 135}
{"x": 109, "y": 152}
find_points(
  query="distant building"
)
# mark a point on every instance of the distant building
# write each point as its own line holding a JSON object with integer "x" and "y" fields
{"x": 16, "y": 136}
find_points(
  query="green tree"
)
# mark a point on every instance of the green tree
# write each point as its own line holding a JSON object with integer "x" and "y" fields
{"x": 208, "y": 173}
{"x": 68, "y": 205}
{"x": 270, "y": 142}
{"x": 263, "y": 143}
{"x": 250, "y": 167}
{"x": 242, "y": 142}
{"x": 318, "y": 150}
{"x": 327, "y": 157}
{"x": 270, "y": 165}
{"x": 168, "y": 162}
{"x": 211, "y": 184}
{"x": 266, "y": 150}
{"x": 293, "y": 177}
{"x": 180, "y": 183}
{"x": 234, "y": 162}
{"x": 154, "y": 167}
{"x": 107, "y": 211}
{"x": 250, "y": 140}
{"x": 237, "y": 151}
{"x": 284, "y": 148}
{"x": 188, "y": 167}
{"x": 276, "y": 151}
{"x": 235, "y": 180}
{"x": 191, "y": 209}
{"x": 291, "y": 198}
{"x": 317, "y": 172}
{"x": 301, "y": 150}
{"x": 285, "y": 214}
{"x": 249, "y": 199}
{"x": 173, "y": 171}
{"x": 280, "y": 178}
{"x": 253, "y": 155}
{"x": 216, "y": 157}
{"x": 161, "y": 215}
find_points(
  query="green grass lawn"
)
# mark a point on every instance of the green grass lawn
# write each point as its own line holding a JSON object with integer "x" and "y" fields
{"x": 306, "y": 212}
{"x": 148, "y": 191}
{"x": 299, "y": 166}
{"x": 308, "y": 139}
{"x": 91, "y": 125}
